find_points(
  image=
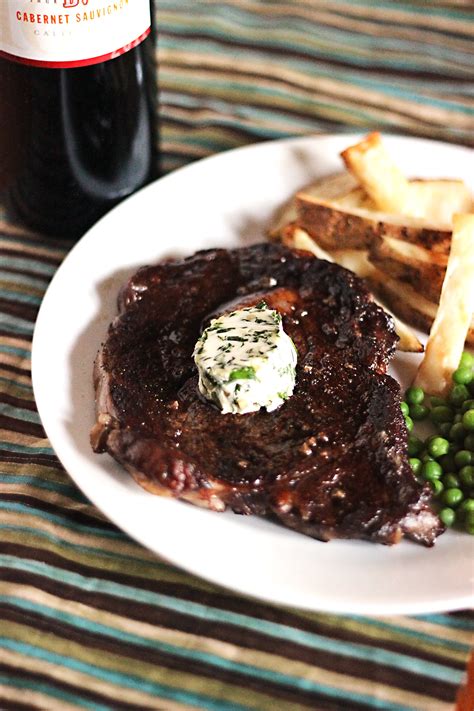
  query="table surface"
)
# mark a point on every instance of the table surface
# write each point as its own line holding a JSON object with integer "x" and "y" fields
{"x": 88, "y": 618}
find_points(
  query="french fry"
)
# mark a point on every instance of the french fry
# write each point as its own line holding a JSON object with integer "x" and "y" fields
{"x": 381, "y": 178}
{"x": 456, "y": 306}
{"x": 357, "y": 262}
{"x": 433, "y": 200}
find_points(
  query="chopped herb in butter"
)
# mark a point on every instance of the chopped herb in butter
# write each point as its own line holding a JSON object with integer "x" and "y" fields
{"x": 246, "y": 361}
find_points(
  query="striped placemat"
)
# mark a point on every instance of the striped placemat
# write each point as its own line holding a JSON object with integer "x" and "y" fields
{"x": 241, "y": 71}
{"x": 88, "y": 618}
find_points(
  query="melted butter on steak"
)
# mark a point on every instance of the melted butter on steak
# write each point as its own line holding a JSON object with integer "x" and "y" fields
{"x": 330, "y": 462}
{"x": 246, "y": 361}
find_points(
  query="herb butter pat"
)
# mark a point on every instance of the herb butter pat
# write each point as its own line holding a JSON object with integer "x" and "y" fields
{"x": 246, "y": 361}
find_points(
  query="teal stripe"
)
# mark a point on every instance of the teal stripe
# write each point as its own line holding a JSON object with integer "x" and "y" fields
{"x": 432, "y": 11}
{"x": 422, "y": 636}
{"x": 265, "y": 118}
{"x": 23, "y": 449}
{"x": 62, "y": 521}
{"x": 122, "y": 680}
{"x": 394, "y": 88}
{"x": 72, "y": 546}
{"x": 19, "y": 413}
{"x": 211, "y": 85}
{"x": 293, "y": 34}
{"x": 17, "y": 325}
{"x": 13, "y": 350}
{"x": 8, "y": 381}
{"x": 28, "y": 264}
{"x": 270, "y": 42}
{"x": 279, "y": 631}
{"x": 450, "y": 621}
{"x": 18, "y": 296}
{"x": 44, "y": 688}
{"x": 38, "y": 282}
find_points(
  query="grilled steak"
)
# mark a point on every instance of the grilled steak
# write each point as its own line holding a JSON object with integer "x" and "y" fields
{"x": 331, "y": 462}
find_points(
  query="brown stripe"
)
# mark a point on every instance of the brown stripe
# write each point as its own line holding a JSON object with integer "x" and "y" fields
{"x": 22, "y": 426}
{"x": 16, "y": 706}
{"x": 17, "y": 369}
{"x": 368, "y": 65}
{"x": 18, "y": 402}
{"x": 343, "y": 102}
{"x": 17, "y": 674}
{"x": 49, "y": 460}
{"x": 241, "y": 637}
{"x": 12, "y": 334}
{"x": 219, "y": 600}
{"x": 198, "y": 668}
{"x": 331, "y": 662}
{"x": 69, "y": 514}
{"x": 16, "y": 308}
{"x": 27, "y": 272}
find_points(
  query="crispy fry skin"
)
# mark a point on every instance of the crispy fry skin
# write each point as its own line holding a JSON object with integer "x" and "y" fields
{"x": 456, "y": 306}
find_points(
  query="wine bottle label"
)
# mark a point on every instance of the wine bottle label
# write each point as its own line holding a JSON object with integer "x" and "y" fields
{"x": 71, "y": 33}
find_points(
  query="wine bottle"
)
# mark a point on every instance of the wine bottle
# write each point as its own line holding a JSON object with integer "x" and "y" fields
{"x": 77, "y": 108}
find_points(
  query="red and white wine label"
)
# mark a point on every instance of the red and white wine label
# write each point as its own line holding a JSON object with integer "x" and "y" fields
{"x": 71, "y": 33}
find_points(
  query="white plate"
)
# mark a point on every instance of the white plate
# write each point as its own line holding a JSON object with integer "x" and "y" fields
{"x": 227, "y": 200}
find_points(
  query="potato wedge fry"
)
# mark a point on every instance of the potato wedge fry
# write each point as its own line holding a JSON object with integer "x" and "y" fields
{"x": 334, "y": 187}
{"x": 335, "y": 227}
{"x": 451, "y": 324}
{"x": 357, "y": 262}
{"x": 372, "y": 165}
{"x": 439, "y": 200}
{"x": 410, "y": 264}
{"x": 377, "y": 173}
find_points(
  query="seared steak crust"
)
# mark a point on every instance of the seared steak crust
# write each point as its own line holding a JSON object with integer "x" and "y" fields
{"x": 331, "y": 462}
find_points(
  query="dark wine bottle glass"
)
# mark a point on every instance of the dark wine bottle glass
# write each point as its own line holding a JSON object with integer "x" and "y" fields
{"x": 78, "y": 116}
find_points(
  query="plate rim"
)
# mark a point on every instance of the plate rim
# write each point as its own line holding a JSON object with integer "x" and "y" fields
{"x": 372, "y": 610}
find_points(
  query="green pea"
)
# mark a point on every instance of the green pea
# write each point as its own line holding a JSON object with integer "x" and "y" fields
{"x": 447, "y": 462}
{"x": 469, "y": 523}
{"x": 457, "y": 432}
{"x": 468, "y": 420}
{"x": 447, "y": 516}
{"x": 466, "y": 475}
{"x": 442, "y": 413}
{"x": 463, "y": 375}
{"x": 469, "y": 441}
{"x": 458, "y": 394}
{"x": 419, "y": 412}
{"x": 415, "y": 465}
{"x": 414, "y": 395}
{"x": 405, "y": 408}
{"x": 467, "y": 506}
{"x": 415, "y": 446}
{"x": 431, "y": 470}
{"x": 436, "y": 487}
{"x": 444, "y": 428}
{"x": 450, "y": 481}
{"x": 457, "y": 418}
{"x": 409, "y": 423}
{"x": 426, "y": 457}
{"x": 438, "y": 447}
{"x": 463, "y": 457}
{"x": 467, "y": 360}
{"x": 452, "y": 497}
{"x": 435, "y": 401}
{"x": 467, "y": 405}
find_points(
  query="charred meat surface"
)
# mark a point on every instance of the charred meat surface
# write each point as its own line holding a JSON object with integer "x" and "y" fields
{"x": 331, "y": 462}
